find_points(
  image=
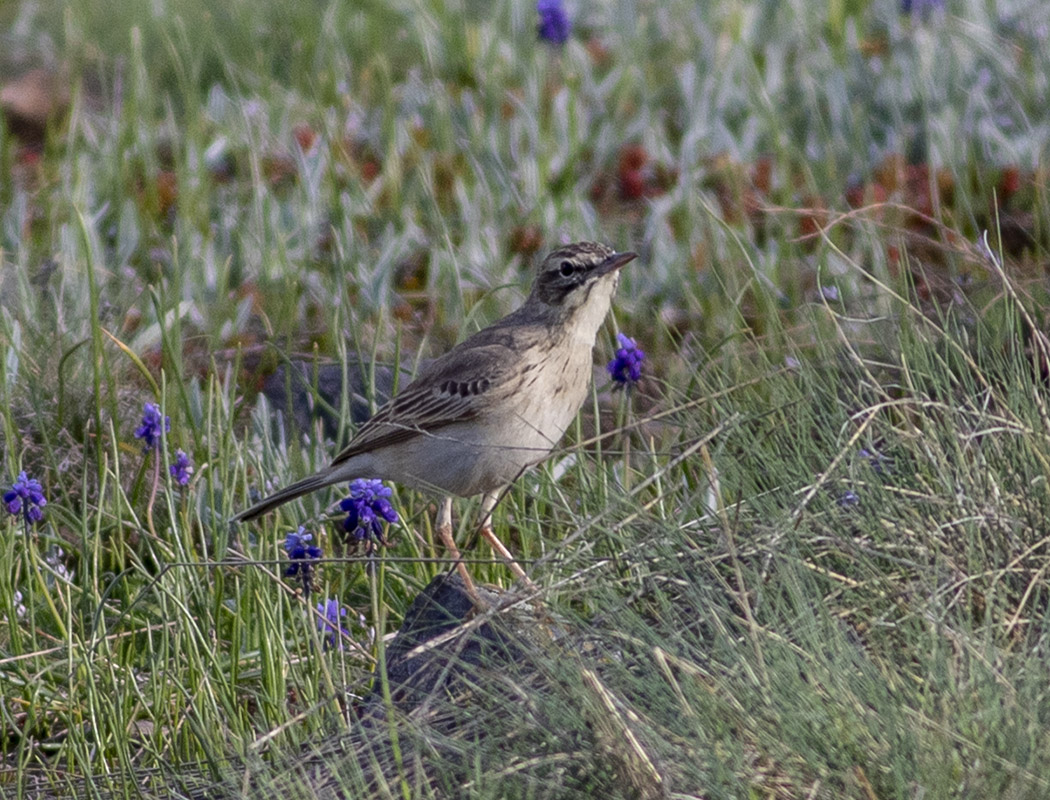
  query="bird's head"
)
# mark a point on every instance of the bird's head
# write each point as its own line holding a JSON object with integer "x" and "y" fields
{"x": 579, "y": 275}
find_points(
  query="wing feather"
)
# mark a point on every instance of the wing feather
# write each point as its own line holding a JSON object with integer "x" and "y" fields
{"x": 455, "y": 388}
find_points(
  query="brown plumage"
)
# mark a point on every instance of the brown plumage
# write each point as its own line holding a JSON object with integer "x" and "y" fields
{"x": 496, "y": 403}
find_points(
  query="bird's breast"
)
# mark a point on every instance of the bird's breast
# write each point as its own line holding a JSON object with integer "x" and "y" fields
{"x": 554, "y": 385}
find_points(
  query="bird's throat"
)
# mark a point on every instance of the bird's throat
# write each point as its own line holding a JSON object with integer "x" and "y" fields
{"x": 588, "y": 316}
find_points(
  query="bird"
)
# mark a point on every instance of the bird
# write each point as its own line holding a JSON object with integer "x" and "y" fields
{"x": 477, "y": 417}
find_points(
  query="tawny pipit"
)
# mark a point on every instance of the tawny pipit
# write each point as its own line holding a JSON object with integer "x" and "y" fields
{"x": 492, "y": 406}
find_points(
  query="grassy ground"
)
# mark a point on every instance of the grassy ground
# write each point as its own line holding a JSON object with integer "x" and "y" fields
{"x": 811, "y": 545}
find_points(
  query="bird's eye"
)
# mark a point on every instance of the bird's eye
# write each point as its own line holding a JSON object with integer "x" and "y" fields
{"x": 566, "y": 269}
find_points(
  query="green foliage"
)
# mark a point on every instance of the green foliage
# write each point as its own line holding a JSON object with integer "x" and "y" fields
{"x": 809, "y": 549}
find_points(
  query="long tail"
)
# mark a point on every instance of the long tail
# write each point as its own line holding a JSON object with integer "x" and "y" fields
{"x": 298, "y": 489}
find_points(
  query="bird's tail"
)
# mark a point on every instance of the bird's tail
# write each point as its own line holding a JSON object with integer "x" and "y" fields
{"x": 298, "y": 489}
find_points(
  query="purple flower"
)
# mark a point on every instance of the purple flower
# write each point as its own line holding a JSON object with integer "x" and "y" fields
{"x": 848, "y": 499}
{"x": 329, "y": 627}
{"x": 182, "y": 468}
{"x": 153, "y": 426}
{"x": 366, "y": 506}
{"x": 876, "y": 460}
{"x": 302, "y": 555}
{"x": 26, "y": 497}
{"x": 554, "y": 21}
{"x": 626, "y": 367}
{"x": 920, "y": 8}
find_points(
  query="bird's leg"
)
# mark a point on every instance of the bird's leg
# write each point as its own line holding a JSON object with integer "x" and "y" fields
{"x": 487, "y": 504}
{"x": 444, "y": 526}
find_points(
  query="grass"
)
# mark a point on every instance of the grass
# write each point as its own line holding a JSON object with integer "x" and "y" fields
{"x": 805, "y": 557}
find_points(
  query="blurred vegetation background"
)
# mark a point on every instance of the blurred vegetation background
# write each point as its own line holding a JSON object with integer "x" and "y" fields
{"x": 804, "y": 556}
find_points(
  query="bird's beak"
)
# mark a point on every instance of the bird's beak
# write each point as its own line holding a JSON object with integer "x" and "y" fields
{"x": 614, "y": 262}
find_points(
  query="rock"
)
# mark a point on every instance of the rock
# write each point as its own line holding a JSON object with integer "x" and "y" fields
{"x": 290, "y": 390}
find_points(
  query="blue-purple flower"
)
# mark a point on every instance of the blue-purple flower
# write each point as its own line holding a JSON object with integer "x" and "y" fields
{"x": 876, "y": 460}
{"x": 182, "y": 468}
{"x": 366, "y": 508}
{"x": 26, "y": 497}
{"x": 554, "y": 24}
{"x": 302, "y": 555}
{"x": 921, "y": 8}
{"x": 626, "y": 367}
{"x": 331, "y": 631}
{"x": 848, "y": 499}
{"x": 153, "y": 426}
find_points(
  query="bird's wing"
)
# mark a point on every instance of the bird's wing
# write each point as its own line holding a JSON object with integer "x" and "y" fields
{"x": 454, "y": 388}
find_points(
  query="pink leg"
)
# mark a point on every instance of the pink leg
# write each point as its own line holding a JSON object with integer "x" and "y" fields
{"x": 487, "y": 504}
{"x": 444, "y": 528}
